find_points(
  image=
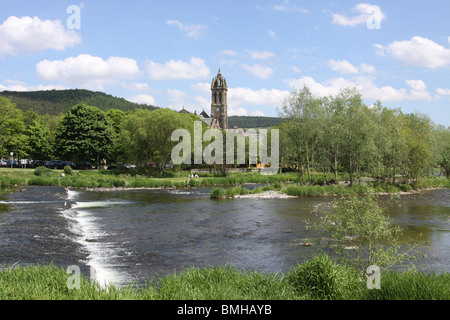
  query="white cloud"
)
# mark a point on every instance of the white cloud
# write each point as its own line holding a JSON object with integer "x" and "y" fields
{"x": 86, "y": 71}
{"x": 443, "y": 92}
{"x": 260, "y": 55}
{"x": 272, "y": 33}
{"x": 417, "y": 52}
{"x": 233, "y": 111}
{"x": 342, "y": 66}
{"x": 296, "y": 69}
{"x": 194, "y": 31}
{"x": 258, "y": 70}
{"x": 418, "y": 90}
{"x": 364, "y": 12}
{"x": 16, "y": 85}
{"x": 239, "y": 96}
{"x": 136, "y": 86}
{"x": 143, "y": 99}
{"x": 229, "y": 53}
{"x": 345, "y": 67}
{"x": 25, "y": 35}
{"x": 257, "y": 113}
{"x": 367, "y": 68}
{"x": 367, "y": 87}
{"x": 179, "y": 99}
{"x": 202, "y": 87}
{"x": 287, "y": 7}
{"x": 177, "y": 69}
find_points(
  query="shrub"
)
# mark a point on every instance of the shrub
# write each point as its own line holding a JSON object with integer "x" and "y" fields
{"x": 68, "y": 170}
{"x": 405, "y": 187}
{"x": 43, "y": 181}
{"x": 42, "y": 171}
{"x": 323, "y": 279}
{"x": 218, "y": 193}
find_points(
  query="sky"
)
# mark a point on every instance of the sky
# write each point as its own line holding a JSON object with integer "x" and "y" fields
{"x": 165, "y": 53}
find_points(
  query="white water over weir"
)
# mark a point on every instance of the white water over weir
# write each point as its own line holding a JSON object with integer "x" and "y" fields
{"x": 89, "y": 233}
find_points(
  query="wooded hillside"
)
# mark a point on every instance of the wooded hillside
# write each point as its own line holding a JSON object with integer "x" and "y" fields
{"x": 55, "y": 102}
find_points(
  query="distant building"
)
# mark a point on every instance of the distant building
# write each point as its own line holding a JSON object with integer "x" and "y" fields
{"x": 219, "y": 112}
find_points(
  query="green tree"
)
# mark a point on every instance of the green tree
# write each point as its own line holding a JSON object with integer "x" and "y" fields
{"x": 39, "y": 141}
{"x": 441, "y": 149}
{"x": 418, "y": 135}
{"x": 360, "y": 232}
{"x": 147, "y": 135}
{"x": 304, "y": 111}
{"x": 84, "y": 134}
{"x": 12, "y": 129}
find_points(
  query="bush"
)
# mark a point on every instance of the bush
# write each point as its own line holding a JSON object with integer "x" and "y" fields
{"x": 43, "y": 181}
{"x": 405, "y": 187}
{"x": 217, "y": 193}
{"x": 323, "y": 279}
{"x": 68, "y": 170}
{"x": 42, "y": 171}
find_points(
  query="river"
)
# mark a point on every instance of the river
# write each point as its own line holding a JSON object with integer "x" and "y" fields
{"x": 131, "y": 235}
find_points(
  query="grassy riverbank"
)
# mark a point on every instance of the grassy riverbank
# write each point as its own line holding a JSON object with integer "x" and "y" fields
{"x": 286, "y": 183}
{"x": 317, "y": 279}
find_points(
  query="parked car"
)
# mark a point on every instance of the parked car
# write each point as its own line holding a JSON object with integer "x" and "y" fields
{"x": 38, "y": 163}
{"x": 84, "y": 165}
{"x": 12, "y": 163}
{"x": 59, "y": 164}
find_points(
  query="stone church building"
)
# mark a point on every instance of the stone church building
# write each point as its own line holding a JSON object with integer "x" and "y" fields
{"x": 219, "y": 113}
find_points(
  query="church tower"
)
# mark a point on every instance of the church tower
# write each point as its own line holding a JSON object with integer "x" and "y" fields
{"x": 219, "y": 113}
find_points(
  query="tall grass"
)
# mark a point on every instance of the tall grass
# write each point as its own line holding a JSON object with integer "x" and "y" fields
{"x": 316, "y": 279}
{"x": 411, "y": 285}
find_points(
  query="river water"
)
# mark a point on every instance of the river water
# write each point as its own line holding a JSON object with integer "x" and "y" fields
{"x": 124, "y": 236}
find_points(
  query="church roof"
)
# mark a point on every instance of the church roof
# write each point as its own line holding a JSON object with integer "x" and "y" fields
{"x": 184, "y": 110}
{"x": 204, "y": 114}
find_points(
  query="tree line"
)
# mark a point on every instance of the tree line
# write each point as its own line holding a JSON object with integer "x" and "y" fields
{"x": 336, "y": 134}
{"x": 340, "y": 134}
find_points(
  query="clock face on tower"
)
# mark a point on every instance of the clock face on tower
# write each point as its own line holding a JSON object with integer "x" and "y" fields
{"x": 217, "y": 109}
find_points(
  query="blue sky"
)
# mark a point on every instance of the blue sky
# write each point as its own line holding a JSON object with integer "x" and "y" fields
{"x": 167, "y": 52}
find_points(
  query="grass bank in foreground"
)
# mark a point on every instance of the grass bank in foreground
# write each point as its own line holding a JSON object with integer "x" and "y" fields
{"x": 317, "y": 279}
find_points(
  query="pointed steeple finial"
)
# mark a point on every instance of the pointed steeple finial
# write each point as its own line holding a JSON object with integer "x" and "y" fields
{"x": 219, "y": 70}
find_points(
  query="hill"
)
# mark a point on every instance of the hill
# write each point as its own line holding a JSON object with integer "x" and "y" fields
{"x": 56, "y": 102}
{"x": 253, "y": 122}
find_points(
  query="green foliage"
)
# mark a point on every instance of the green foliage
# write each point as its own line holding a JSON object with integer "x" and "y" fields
{"x": 410, "y": 285}
{"x": 340, "y": 134}
{"x": 146, "y": 135}
{"x": 12, "y": 129}
{"x": 44, "y": 181}
{"x": 253, "y": 122}
{"x": 57, "y": 102}
{"x": 321, "y": 278}
{"x": 68, "y": 170}
{"x": 42, "y": 171}
{"x": 359, "y": 231}
{"x": 318, "y": 278}
{"x": 85, "y": 134}
{"x": 217, "y": 192}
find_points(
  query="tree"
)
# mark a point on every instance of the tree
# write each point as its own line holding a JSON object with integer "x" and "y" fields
{"x": 12, "y": 129}
{"x": 304, "y": 111}
{"x": 360, "y": 232}
{"x": 84, "y": 134}
{"x": 147, "y": 135}
{"x": 39, "y": 141}
{"x": 441, "y": 149}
